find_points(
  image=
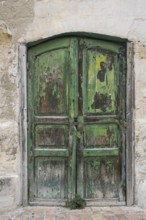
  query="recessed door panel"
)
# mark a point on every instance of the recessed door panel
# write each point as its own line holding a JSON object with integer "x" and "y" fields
{"x": 101, "y": 136}
{"x": 51, "y": 136}
{"x": 49, "y": 82}
{"x": 102, "y": 177}
{"x": 101, "y": 81}
{"x": 51, "y": 178}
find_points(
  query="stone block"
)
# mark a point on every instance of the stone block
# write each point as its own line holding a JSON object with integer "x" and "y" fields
{"x": 9, "y": 192}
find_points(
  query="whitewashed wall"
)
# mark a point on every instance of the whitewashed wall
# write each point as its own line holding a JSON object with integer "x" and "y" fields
{"x": 31, "y": 20}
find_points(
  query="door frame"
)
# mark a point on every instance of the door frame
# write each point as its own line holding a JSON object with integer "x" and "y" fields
{"x": 130, "y": 106}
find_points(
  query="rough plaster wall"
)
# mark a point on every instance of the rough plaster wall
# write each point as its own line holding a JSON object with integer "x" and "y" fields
{"x": 140, "y": 122}
{"x": 30, "y": 20}
{"x": 14, "y": 19}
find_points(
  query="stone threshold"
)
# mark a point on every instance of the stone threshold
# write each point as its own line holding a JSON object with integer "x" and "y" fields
{"x": 88, "y": 213}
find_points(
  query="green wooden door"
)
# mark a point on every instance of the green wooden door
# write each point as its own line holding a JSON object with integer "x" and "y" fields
{"x": 101, "y": 142}
{"x": 76, "y": 115}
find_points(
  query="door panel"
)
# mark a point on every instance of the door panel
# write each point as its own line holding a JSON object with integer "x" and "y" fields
{"x": 102, "y": 177}
{"x": 51, "y": 178}
{"x": 51, "y": 109}
{"x": 103, "y": 135}
{"x": 48, "y": 136}
{"x": 76, "y": 121}
{"x": 49, "y": 82}
{"x": 101, "y": 94}
{"x": 101, "y": 79}
{"x": 101, "y": 145}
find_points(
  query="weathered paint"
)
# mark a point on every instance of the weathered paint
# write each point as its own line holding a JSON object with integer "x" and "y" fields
{"x": 52, "y": 183}
{"x": 102, "y": 127}
{"x": 49, "y": 131}
{"x": 76, "y": 115}
{"x": 103, "y": 135}
{"x": 102, "y": 178}
{"x": 101, "y": 82}
{"x": 50, "y": 136}
{"x": 49, "y": 82}
{"x": 100, "y": 152}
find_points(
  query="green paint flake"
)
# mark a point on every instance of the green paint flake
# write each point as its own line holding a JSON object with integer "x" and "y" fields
{"x": 101, "y": 82}
{"x": 101, "y": 135}
{"x": 109, "y": 167}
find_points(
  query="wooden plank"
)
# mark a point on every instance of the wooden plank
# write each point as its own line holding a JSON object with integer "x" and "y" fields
{"x": 73, "y": 164}
{"x": 102, "y": 203}
{"x": 80, "y": 76}
{"x": 51, "y": 178}
{"x": 51, "y": 153}
{"x": 73, "y": 110}
{"x": 83, "y": 35}
{"x": 130, "y": 124}
{"x": 100, "y": 152}
{"x": 30, "y": 126}
{"x": 79, "y": 133}
{"x": 23, "y": 122}
{"x": 73, "y": 80}
{"x": 51, "y": 119}
{"x": 96, "y": 117}
{"x": 96, "y": 44}
{"x": 45, "y": 202}
{"x": 49, "y": 46}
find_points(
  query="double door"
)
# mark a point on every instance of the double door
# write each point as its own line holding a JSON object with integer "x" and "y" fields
{"x": 76, "y": 118}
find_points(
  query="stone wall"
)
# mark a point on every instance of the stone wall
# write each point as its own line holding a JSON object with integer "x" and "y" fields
{"x": 31, "y": 20}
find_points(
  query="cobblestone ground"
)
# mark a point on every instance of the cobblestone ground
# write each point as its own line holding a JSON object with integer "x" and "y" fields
{"x": 93, "y": 213}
